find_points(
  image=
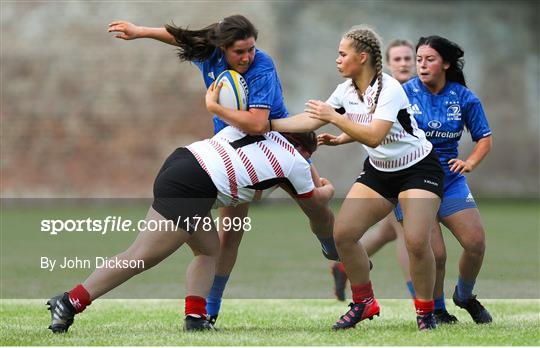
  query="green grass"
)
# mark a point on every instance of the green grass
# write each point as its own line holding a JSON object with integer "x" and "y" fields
{"x": 279, "y": 258}
{"x": 265, "y": 322}
{"x": 280, "y": 292}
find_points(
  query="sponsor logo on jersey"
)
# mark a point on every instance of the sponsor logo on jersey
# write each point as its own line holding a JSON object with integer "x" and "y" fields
{"x": 414, "y": 110}
{"x": 369, "y": 101}
{"x": 434, "y": 124}
{"x": 444, "y": 135}
{"x": 211, "y": 75}
{"x": 352, "y": 102}
{"x": 453, "y": 112}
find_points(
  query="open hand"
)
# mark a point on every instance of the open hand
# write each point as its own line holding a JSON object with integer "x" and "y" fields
{"x": 320, "y": 110}
{"x": 327, "y": 139}
{"x": 124, "y": 30}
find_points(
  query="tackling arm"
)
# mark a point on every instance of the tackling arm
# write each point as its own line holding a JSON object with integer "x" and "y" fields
{"x": 296, "y": 124}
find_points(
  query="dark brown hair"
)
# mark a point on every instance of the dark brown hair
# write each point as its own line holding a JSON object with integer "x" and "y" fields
{"x": 198, "y": 45}
{"x": 306, "y": 140}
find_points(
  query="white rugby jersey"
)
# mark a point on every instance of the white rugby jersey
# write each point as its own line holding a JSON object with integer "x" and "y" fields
{"x": 405, "y": 144}
{"x": 241, "y": 166}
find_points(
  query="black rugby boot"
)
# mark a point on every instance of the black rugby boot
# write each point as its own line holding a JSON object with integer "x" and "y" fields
{"x": 62, "y": 313}
{"x": 479, "y": 314}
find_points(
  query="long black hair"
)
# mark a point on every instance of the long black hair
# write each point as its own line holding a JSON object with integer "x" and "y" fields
{"x": 199, "y": 45}
{"x": 450, "y": 52}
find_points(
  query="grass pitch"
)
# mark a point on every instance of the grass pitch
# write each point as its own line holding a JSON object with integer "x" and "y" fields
{"x": 279, "y": 294}
{"x": 266, "y": 322}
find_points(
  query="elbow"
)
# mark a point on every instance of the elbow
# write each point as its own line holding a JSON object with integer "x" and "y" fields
{"x": 374, "y": 142}
{"x": 258, "y": 128}
{"x": 489, "y": 143}
{"x": 485, "y": 144}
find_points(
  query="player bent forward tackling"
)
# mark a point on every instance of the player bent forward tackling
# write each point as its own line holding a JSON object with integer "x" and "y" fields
{"x": 225, "y": 170}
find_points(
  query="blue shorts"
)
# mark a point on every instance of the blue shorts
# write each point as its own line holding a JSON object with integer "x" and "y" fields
{"x": 457, "y": 197}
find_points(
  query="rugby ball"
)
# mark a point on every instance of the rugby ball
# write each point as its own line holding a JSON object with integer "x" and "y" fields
{"x": 234, "y": 93}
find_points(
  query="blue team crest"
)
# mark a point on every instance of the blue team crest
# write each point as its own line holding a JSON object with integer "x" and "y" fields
{"x": 434, "y": 124}
{"x": 453, "y": 112}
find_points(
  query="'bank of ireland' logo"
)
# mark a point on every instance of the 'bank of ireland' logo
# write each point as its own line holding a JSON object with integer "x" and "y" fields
{"x": 453, "y": 113}
{"x": 434, "y": 124}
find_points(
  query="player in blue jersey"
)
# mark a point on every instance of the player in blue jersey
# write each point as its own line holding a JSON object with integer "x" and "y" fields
{"x": 230, "y": 44}
{"x": 443, "y": 107}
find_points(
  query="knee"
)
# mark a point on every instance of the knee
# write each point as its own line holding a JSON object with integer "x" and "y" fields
{"x": 417, "y": 247}
{"x": 388, "y": 235}
{"x": 212, "y": 249}
{"x": 476, "y": 246}
{"x": 324, "y": 218}
{"x": 209, "y": 248}
{"x": 440, "y": 259}
{"x": 230, "y": 239}
{"x": 343, "y": 238}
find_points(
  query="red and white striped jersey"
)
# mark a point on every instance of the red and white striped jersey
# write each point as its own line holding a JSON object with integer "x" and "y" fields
{"x": 405, "y": 144}
{"x": 241, "y": 165}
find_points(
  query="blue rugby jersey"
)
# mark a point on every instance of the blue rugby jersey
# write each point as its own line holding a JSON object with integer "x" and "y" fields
{"x": 444, "y": 116}
{"x": 263, "y": 83}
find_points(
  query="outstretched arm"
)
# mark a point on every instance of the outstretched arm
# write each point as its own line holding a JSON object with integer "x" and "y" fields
{"x": 129, "y": 31}
{"x": 296, "y": 124}
{"x": 371, "y": 135}
{"x": 332, "y": 140}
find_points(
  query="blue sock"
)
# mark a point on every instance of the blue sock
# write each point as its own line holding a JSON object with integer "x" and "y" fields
{"x": 465, "y": 288}
{"x": 329, "y": 246}
{"x": 411, "y": 289}
{"x": 439, "y": 303}
{"x": 213, "y": 301}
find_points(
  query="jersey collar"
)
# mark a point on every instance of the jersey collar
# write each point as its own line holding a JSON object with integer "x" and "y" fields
{"x": 425, "y": 90}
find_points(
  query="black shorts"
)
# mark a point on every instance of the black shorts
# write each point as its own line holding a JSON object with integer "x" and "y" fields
{"x": 183, "y": 189}
{"x": 425, "y": 175}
